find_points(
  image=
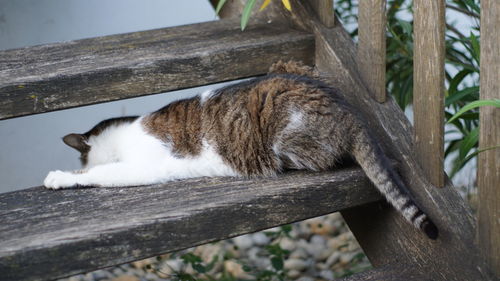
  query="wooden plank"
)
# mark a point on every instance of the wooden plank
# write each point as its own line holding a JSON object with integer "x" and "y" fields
{"x": 49, "y": 234}
{"x": 371, "y": 46}
{"x": 393, "y": 272}
{"x": 64, "y": 75}
{"x": 489, "y": 161}
{"x": 325, "y": 12}
{"x": 383, "y": 235}
{"x": 428, "y": 87}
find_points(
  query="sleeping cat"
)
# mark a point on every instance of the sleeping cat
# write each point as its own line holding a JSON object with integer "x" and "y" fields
{"x": 260, "y": 127}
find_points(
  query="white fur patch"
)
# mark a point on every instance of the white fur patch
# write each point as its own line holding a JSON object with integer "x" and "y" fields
{"x": 295, "y": 121}
{"x": 206, "y": 95}
{"x": 125, "y": 155}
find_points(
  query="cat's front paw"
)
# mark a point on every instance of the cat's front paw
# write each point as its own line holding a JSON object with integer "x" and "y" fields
{"x": 59, "y": 179}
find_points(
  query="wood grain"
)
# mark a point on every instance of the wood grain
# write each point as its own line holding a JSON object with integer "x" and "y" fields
{"x": 383, "y": 235}
{"x": 489, "y": 118}
{"x": 371, "y": 46}
{"x": 49, "y": 234}
{"x": 324, "y": 11}
{"x": 64, "y": 75}
{"x": 393, "y": 272}
{"x": 428, "y": 87}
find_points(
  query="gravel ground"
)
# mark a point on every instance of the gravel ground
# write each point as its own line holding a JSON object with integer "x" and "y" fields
{"x": 321, "y": 248}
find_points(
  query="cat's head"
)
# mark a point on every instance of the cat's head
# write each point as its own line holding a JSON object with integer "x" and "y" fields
{"x": 94, "y": 146}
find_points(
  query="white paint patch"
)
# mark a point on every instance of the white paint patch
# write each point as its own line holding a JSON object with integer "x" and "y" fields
{"x": 125, "y": 155}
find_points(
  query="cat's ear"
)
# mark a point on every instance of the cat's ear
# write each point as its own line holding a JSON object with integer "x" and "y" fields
{"x": 77, "y": 141}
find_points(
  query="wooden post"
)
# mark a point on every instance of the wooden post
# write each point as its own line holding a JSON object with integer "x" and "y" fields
{"x": 371, "y": 47}
{"x": 324, "y": 10}
{"x": 428, "y": 85}
{"x": 489, "y": 161}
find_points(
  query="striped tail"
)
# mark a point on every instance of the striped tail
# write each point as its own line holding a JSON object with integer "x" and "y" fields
{"x": 376, "y": 166}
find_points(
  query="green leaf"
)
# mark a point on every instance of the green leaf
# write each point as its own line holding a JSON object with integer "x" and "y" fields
{"x": 211, "y": 265}
{"x": 219, "y": 6}
{"x": 191, "y": 258}
{"x": 199, "y": 268}
{"x": 468, "y": 142}
{"x": 460, "y": 163}
{"x": 286, "y": 228}
{"x": 406, "y": 26}
{"x": 474, "y": 104}
{"x": 460, "y": 95}
{"x": 186, "y": 277}
{"x": 246, "y": 268}
{"x": 476, "y": 50}
{"x": 457, "y": 79}
{"x": 277, "y": 263}
{"x": 246, "y": 13}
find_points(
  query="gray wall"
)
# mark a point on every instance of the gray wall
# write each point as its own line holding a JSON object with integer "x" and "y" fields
{"x": 31, "y": 146}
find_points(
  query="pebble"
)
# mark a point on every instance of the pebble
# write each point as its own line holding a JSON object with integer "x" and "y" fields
{"x": 300, "y": 253}
{"x": 333, "y": 258}
{"x": 260, "y": 239}
{"x": 318, "y": 249}
{"x": 243, "y": 242}
{"x": 295, "y": 264}
{"x": 126, "y": 278}
{"x": 293, "y": 274}
{"x": 288, "y": 244}
{"x": 100, "y": 275}
{"x": 236, "y": 270}
{"x": 347, "y": 258}
{"x": 327, "y": 275}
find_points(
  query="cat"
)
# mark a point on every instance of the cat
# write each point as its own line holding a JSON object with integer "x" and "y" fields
{"x": 287, "y": 119}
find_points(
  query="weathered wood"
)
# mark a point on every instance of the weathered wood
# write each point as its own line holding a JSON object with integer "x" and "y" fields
{"x": 384, "y": 236}
{"x": 48, "y": 234}
{"x": 489, "y": 161}
{"x": 63, "y": 75}
{"x": 371, "y": 46}
{"x": 324, "y": 10}
{"x": 428, "y": 87}
{"x": 393, "y": 272}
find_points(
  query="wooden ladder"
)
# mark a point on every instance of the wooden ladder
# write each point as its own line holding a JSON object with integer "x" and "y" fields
{"x": 47, "y": 235}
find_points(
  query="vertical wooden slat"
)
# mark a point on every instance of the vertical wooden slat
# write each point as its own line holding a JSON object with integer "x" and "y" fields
{"x": 428, "y": 87}
{"x": 324, "y": 10}
{"x": 371, "y": 48}
{"x": 489, "y": 161}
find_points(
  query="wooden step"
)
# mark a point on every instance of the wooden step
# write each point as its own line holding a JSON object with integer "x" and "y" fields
{"x": 47, "y": 234}
{"x": 392, "y": 272}
{"x": 64, "y": 75}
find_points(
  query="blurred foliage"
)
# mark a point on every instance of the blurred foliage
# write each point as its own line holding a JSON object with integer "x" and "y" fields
{"x": 461, "y": 70}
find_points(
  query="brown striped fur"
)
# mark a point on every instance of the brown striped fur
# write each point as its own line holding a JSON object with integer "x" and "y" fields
{"x": 284, "y": 120}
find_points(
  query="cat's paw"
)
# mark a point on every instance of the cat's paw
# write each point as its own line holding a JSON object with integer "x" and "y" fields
{"x": 59, "y": 179}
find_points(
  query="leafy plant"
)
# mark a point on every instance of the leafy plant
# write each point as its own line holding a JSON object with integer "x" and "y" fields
{"x": 461, "y": 69}
{"x": 247, "y": 10}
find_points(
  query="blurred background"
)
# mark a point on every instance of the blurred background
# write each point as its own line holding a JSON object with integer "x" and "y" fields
{"x": 31, "y": 146}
